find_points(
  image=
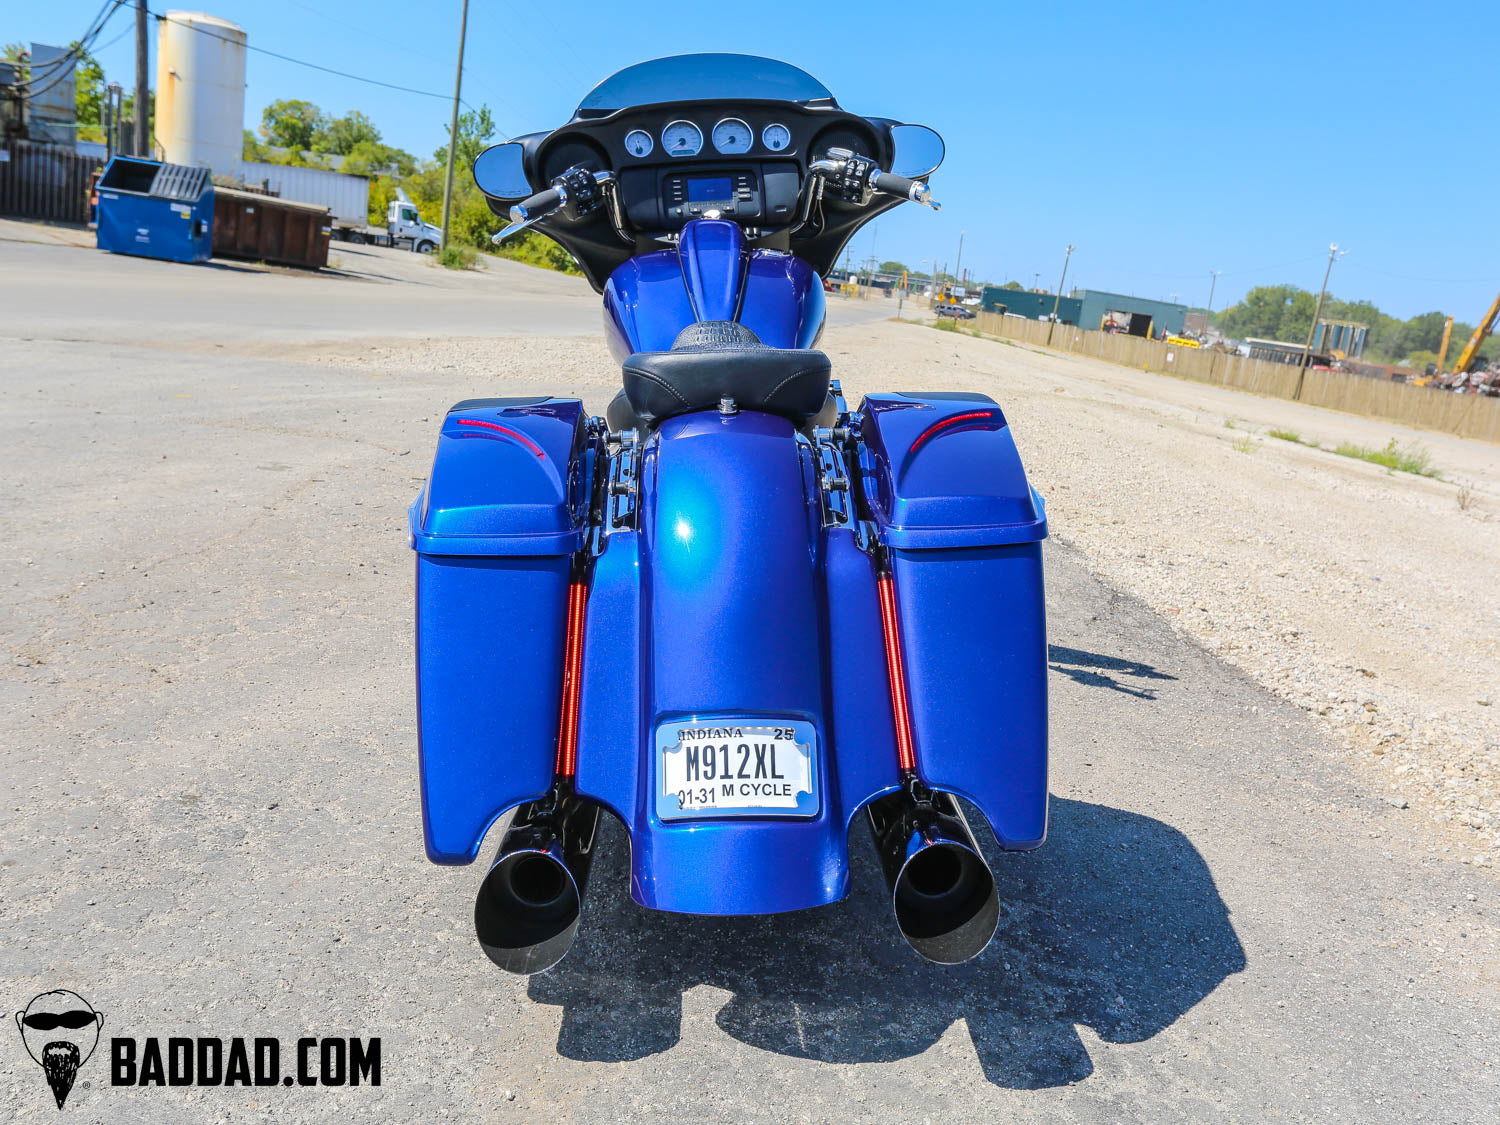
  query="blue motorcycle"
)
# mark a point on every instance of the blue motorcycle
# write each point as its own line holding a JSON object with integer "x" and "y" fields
{"x": 734, "y": 613}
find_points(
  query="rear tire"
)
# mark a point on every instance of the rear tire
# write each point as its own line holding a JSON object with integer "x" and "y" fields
{"x": 357, "y": 238}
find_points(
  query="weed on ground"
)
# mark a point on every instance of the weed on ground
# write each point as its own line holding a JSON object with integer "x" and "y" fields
{"x": 1395, "y": 457}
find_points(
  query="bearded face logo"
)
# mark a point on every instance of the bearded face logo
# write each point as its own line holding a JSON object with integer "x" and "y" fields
{"x": 60, "y": 1030}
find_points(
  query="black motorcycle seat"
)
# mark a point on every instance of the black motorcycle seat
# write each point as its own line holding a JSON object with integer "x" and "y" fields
{"x": 716, "y": 359}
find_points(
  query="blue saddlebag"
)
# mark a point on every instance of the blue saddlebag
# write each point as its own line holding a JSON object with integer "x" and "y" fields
{"x": 495, "y": 530}
{"x": 963, "y": 532}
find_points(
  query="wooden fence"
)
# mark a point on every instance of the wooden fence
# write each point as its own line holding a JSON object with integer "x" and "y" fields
{"x": 1468, "y": 415}
{"x": 45, "y": 182}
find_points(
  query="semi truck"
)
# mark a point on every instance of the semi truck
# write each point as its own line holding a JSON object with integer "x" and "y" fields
{"x": 347, "y": 198}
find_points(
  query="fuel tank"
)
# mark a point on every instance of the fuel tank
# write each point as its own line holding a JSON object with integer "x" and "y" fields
{"x": 712, "y": 275}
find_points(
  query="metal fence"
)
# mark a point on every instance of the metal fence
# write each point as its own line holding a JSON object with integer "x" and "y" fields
{"x": 1467, "y": 415}
{"x": 45, "y": 182}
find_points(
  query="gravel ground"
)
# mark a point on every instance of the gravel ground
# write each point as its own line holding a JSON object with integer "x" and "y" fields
{"x": 211, "y": 825}
{"x": 1358, "y": 594}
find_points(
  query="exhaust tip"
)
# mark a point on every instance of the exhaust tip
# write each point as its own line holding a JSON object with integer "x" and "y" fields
{"x": 946, "y": 904}
{"x": 526, "y": 912}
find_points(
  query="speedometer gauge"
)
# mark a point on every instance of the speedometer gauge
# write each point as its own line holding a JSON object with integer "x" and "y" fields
{"x": 638, "y": 142}
{"x": 682, "y": 138}
{"x": 732, "y": 136}
{"x": 776, "y": 136}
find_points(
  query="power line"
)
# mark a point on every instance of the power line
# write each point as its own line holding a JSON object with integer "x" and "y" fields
{"x": 304, "y": 62}
{"x": 71, "y": 56}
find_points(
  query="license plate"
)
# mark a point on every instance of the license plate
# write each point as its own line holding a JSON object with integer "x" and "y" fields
{"x": 733, "y": 767}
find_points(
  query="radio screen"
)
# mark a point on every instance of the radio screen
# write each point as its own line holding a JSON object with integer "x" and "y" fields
{"x": 705, "y": 190}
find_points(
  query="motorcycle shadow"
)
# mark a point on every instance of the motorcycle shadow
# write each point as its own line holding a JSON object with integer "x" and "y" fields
{"x": 1115, "y": 923}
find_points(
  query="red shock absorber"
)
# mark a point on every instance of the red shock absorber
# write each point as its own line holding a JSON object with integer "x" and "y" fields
{"x": 567, "y": 730}
{"x": 895, "y": 668}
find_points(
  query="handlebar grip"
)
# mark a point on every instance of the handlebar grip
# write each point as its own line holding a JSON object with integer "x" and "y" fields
{"x": 534, "y": 207}
{"x": 892, "y": 184}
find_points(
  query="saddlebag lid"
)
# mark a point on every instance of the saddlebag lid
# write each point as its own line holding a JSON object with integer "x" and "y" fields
{"x": 941, "y": 471}
{"x": 507, "y": 479}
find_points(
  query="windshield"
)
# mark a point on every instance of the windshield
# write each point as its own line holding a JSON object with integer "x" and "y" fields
{"x": 692, "y": 78}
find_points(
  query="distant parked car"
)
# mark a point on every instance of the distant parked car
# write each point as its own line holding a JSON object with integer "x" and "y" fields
{"x": 958, "y": 312}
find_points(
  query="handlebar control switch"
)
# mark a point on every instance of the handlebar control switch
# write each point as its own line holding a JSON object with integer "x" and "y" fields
{"x": 852, "y": 182}
{"x": 583, "y": 195}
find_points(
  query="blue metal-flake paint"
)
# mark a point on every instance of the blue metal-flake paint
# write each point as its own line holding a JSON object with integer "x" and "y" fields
{"x": 651, "y": 298}
{"x": 728, "y": 599}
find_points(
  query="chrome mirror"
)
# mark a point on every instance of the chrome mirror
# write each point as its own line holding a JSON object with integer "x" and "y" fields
{"x": 916, "y": 151}
{"x": 500, "y": 170}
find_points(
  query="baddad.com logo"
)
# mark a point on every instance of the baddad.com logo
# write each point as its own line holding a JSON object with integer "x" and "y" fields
{"x": 60, "y": 1030}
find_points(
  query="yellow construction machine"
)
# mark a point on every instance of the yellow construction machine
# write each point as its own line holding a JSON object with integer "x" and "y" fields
{"x": 1471, "y": 349}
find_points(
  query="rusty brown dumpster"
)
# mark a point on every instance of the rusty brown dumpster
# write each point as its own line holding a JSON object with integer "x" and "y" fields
{"x": 264, "y": 228}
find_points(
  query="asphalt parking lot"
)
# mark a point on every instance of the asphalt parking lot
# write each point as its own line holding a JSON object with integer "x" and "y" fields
{"x": 212, "y": 825}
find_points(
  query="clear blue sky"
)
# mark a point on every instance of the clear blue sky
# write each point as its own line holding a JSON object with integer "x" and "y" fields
{"x": 1163, "y": 139}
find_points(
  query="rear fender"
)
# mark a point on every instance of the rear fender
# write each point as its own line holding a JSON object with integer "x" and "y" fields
{"x": 730, "y": 601}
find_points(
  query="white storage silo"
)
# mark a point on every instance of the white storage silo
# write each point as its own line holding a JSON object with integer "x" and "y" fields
{"x": 200, "y": 90}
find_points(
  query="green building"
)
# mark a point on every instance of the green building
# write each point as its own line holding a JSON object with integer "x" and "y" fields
{"x": 1023, "y": 302}
{"x": 1137, "y": 316}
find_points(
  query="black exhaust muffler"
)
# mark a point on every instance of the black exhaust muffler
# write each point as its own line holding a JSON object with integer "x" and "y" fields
{"x": 944, "y": 894}
{"x": 526, "y": 912}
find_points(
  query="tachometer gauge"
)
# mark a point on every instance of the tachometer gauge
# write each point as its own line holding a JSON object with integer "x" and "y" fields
{"x": 732, "y": 136}
{"x": 682, "y": 138}
{"x": 776, "y": 136}
{"x": 638, "y": 142}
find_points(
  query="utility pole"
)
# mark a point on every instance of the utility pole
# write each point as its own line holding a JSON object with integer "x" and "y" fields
{"x": 1333, "y": 252}
{"x": 959, "y": 277}
{"x": 1212, "y": 285}
{"x": 111, "y": 120}
{"x": 142, "y": 93}
{"x": 1057, "y": 300}
{"x": 458, "y": 84}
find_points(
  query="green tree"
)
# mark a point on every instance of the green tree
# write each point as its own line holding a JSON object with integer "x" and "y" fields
{"x": 343, "y": 134}
{"x": 17, "y": 55}
{"x": 88, "y": 96}
{"x": 375, "y": 158}
{"x": 893, "y": 267}
{"x": 1011, "y": 285}
{"x": 476, "y": 128}
{"x": 293, "y": 124}
{"x": 1271, "y": 312}
{"x": 255, "y": 149}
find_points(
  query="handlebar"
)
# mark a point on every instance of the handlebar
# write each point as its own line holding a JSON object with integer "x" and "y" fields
{"x": 531, "y": 209}
{"x": 541, "y": 204}
{"x": 889, "y": 183}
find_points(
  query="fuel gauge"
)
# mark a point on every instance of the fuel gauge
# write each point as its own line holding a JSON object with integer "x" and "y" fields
{"x": 776, "y": 136}
{"x": 638, "y": 142}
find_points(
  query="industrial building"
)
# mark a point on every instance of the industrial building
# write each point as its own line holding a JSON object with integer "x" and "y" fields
{"x": 1029, "y": 303}
{"x": 1093, "y": 309}
{"x": 1134, "y": 316}
{"x": 1346, "y": 337}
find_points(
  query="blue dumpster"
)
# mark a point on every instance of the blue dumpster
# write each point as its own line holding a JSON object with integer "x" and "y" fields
{"x": 156, "y": 210}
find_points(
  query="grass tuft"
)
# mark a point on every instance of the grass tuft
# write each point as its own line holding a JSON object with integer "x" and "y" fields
{"x": 457, "y": 257}
{"x": 1287, "y": 435}
{"x": 1245, "y": 444}
{"x": 1394, "y": 457}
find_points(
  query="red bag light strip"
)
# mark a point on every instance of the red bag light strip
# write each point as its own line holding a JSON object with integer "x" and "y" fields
{"x": 896, "y": 671}
{"x": 507, "y": 431}
{"x": 938, "y": 427}
{"x": 567, "y": 734}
